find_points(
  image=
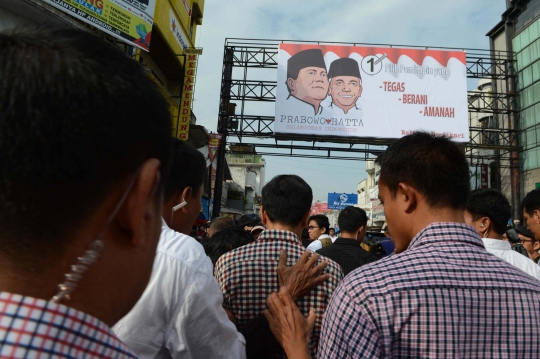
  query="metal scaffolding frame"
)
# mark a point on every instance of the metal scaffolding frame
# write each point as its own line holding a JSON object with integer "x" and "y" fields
{"x": 254, "y": 131}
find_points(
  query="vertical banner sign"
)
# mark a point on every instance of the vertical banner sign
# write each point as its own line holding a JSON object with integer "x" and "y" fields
{"x": 127, "y": 20}
{"x": 187, "y": 96}
{"x": 377, "y": 92}
{"x": 484, "y": 174}
{"x": 214, "y": 141}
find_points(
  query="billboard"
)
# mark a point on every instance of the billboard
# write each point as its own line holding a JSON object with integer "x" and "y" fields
{"x": 380, "y": 92}
{"x": 127, "y": 20}
{"x": 341, "y": 200}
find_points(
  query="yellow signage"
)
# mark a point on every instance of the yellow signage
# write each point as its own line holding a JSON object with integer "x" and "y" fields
{"x": 127, "y": 20}
{"x": 190, "y": 67}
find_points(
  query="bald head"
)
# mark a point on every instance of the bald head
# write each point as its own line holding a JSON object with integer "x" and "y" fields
{"x": 220, "y": 224}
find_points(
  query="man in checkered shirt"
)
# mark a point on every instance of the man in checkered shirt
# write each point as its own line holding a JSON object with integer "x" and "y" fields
{"x": 247, "y": 275}
{"x": 442, "y": 295}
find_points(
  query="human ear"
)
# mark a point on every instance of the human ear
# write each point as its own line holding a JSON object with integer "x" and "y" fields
{"x": 186, "y": 196}
{"x": 143, "y": 204}
{"x": 407, "y": 197}
{"x": 264, "y": 216}
{"x": 360, "y": 91}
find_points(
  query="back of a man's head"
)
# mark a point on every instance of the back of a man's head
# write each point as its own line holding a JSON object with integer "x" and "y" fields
{"x": 488, "y": 202}
{"x": 77, "y": 116}
{"x": 287, "y": 199}
{"x": 187, "y": 169}
{"x": 433, "y": 165}
{"x": 351, "y": 219}
{"x": 221, "y": 223}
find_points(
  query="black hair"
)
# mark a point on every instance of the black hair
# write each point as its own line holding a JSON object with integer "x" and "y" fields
{"x": 321, "y": 220}
{"x": 531, "y": 202}
{"x": 488, "y": 202}
{"x": 225, "y": 241}
{"x": 331, "y": 229}
{"x": 77, "y": 117}
{"x": 221, "y": 223}
{"x": 287, "y": 199}
{"x": 250, "y": 220}
{"x": 351, "y": 219}
{"x": 188, "y": 169}
{"x": 435, "y": 166}
{"x": 305, "y": 233}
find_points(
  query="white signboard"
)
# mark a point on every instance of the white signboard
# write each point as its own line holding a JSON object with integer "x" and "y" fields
{"x": 379, "y": 92}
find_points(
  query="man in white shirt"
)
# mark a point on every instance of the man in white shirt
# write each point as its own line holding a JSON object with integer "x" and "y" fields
{"x": 318, "y": 228}
{"x": 332, "y": 234}
{"x": 488, "y": 212}
{"x": 180, "y": 314}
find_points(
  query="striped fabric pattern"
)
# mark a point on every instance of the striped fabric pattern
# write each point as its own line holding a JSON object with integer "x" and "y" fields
{"x": 444, "y": 297}
{"x": 247, "y": 276}
{"x": 35, "y": 328}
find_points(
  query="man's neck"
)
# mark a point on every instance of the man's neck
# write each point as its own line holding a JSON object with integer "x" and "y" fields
{"x": 349, "y": 235}
{"x": 284, "y": 227}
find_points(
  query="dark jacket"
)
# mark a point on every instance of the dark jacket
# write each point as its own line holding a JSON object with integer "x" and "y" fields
{"x": 348, "y": 254}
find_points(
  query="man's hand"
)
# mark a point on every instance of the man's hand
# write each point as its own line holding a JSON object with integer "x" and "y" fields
{"x": 301, "y": 277}
{"x": 289, "y": 326}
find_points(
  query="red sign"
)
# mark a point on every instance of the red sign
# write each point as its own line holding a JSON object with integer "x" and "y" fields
{"x": 213, "y": 144}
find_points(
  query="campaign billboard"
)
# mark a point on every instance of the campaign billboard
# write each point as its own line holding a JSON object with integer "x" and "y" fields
{"x": 127, "y": 20}
{"x": 341, "y": 200}
{"x": 378, "y": 92}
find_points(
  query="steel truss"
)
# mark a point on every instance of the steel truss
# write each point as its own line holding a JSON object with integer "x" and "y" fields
{"x": 491, "y": 141}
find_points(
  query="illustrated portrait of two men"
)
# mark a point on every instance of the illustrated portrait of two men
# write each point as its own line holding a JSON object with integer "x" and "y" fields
{"x": 321, "y": 91}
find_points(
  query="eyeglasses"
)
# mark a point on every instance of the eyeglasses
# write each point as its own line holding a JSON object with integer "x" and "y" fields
{"x": 310, "y": 228}
{"x": 526, "y": 240}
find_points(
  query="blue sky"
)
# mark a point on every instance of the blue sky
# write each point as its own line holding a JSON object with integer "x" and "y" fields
{"x": 445, "y": 23}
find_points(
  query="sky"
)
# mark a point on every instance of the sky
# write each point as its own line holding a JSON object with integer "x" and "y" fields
{"x": 444, "y": 23}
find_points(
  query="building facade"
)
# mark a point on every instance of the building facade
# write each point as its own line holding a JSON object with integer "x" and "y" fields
{"x": 518, "y": 33}
{"x": 248, "y": 177}
{"x": 160, "y": 34}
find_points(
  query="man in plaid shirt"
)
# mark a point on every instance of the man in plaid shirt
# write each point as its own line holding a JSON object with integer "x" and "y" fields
{"x": 442, "y": 295}
{"x": 247, "y": 275}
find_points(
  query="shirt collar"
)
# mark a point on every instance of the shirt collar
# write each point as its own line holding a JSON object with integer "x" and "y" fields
{"x": 447, "y": 232}
{"x": 278, "y": 234}
{"x": 496, "y": 244}
{"x": 350, "y": 241}
{"x": 324, "y": 236}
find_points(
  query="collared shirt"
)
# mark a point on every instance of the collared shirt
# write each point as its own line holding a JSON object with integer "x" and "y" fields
{"x": 180, "y": 314}
{"x": 36, "y": 328}
{"x": 348, "y": 254}
{"x": 503, "y": 250}
{"x": 295, "y": 106}
{"x": 354, "y": 112}
{"x": 444, "y": 297}
{"x": 247, "y": 276}
{"x": 317, "y": 244}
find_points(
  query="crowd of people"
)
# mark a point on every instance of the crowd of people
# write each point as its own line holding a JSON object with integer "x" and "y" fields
{"x": 97, "y": 202}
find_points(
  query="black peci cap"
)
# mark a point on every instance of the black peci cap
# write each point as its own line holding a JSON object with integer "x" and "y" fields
{"x": 311, "y": 57}
{"x": 344, "y": 67}
{"x": 524, "y": 231}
